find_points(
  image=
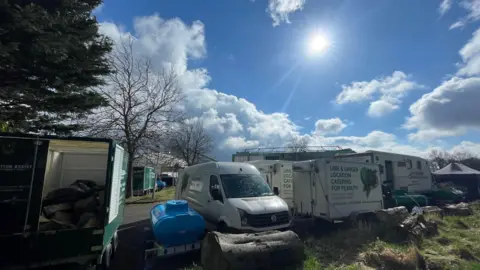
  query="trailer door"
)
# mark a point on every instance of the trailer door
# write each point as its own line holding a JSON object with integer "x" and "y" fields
{"x": 389, "y": 173}
{"x": 22, "y": 170}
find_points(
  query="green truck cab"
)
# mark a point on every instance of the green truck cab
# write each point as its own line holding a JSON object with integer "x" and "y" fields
{"x": 62, "y": 200}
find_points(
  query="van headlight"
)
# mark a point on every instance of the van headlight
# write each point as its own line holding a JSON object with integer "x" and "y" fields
{"x": 243, "y": 217}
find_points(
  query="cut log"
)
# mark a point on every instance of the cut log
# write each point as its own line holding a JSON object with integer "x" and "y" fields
{"x": 461, "y": 209}
{"x": 392, "y": 217}
{"x": 415, "y": 228}
{"x": 432, "y": 210}
{"x": 266, "y": 250}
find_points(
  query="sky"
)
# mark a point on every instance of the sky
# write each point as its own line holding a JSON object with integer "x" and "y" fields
{"x": 398, "y": 76}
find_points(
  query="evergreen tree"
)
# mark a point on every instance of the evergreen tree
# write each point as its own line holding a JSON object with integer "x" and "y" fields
{"x": 51, "y": 57}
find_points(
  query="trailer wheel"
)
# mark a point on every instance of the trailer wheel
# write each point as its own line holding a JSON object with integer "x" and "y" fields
{"x": 106, "y": 258}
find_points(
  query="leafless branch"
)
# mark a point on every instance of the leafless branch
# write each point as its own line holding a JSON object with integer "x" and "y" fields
{"x": 298, "y": 145}
{"x": 142, "y": 102}
{"x": 190, "y": 142}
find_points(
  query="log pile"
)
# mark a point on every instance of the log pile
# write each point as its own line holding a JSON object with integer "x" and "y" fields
{"x": 266, "y": 250}
{"x": 77, "y": 206}
{"x": 414, "y": 228}
{"x": 433, "y": 210}
{"x": 398, "y": 224}
{"x": 461, "y": 209}
{"x": 392, "y": 217}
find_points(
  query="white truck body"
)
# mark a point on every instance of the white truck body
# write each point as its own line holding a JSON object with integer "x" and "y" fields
{"x": 400, "y": 172}
{"x": 279, "y": 175}
{"x": 334, "y": 190}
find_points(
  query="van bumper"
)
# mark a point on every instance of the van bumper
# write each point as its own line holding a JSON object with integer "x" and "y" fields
{"x": 283, "y": 227}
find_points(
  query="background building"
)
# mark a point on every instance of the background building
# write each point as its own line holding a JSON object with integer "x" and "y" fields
{"x": 286, "y": 153}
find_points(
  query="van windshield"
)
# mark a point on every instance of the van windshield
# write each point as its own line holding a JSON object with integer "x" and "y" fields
{"x": 244, "y": 186}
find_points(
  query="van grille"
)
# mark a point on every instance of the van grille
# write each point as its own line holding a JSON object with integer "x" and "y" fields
{"x": 265, "y": 220}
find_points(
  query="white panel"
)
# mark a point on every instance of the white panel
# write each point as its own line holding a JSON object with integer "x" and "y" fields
{"x": 85, "y": 167}
{"x": 118, "y": 173}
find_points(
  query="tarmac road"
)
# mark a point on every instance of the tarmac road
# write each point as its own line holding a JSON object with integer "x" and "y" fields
{"x": 132, "y": 235}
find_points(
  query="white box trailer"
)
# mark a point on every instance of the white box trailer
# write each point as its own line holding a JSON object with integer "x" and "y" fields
{"x": 400, "y": 172}
{"x": 336, "y": 190}
{"x": 279, "y": 176}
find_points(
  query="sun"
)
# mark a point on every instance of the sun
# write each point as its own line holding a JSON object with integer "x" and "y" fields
{"x": 318, "y": 44}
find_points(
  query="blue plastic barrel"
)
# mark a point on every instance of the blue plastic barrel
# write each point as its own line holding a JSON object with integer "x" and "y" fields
{"x": 175, "y": 223}
{"x": 160, "y": 184}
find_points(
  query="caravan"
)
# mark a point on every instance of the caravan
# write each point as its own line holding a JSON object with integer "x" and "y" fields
{"x": 399, "y": 172}
{"x": 335, "y": 189}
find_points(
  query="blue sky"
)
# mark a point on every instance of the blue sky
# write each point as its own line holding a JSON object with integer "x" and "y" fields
{"x": 397, "y": 75}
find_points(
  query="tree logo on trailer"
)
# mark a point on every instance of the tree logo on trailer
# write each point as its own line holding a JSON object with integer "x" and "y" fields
{"x": 369, "y": 179}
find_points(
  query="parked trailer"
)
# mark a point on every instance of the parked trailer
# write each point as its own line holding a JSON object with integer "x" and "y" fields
{"x": 400, "y": 172}
{"x": 405, "y": 173}
{"x": 44, "y": 188}
{"x": 143, "y": 180}
{"x": 279, "y": 176}
{"x": 336, "y": 190}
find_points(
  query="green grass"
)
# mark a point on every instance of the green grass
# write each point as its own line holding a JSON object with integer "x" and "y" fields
{"x": 456, "y": 247}
{"x": 160, "y": 196}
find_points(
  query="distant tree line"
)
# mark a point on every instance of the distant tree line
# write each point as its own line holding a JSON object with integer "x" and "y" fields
{"x": 439, "y": 159}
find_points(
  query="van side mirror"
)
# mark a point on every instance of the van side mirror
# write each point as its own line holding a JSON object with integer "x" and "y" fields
{"x": 216, "y": 195}
{"x": 275, "y": 191}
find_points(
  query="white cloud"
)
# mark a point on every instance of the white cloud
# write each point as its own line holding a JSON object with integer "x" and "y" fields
{"x": 98, "y": 10}
{"x": 386, "y": 92}
{"x": 239, "y": 143}
{"x": 445, "y": 6}
{"x": 221, "y": 124}
{"x": 451, "y": 109}
{"x": 280, "y": 9}
{"x": 329, "y": 126}
{"x": 473, "y": 9}
{"x": 235, "y": 122}
{"x": 470, "y": 54}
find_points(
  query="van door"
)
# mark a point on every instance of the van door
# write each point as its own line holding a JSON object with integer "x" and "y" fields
{"x": 286, "y": 176}
{"x": 389, "y": 173}
{"x": 22, "y": 171}
{"x": 214, "y": 205}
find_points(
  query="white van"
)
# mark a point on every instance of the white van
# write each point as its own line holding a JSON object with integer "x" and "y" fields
{"x": 232, "y": 197}
{"x": 335, "y": 189}
{"x": 279, "y": 176}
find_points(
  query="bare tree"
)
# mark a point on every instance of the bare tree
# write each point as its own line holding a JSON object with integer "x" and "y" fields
{"x": 298, "y": 145}
{"x": 142, "y": 103}
{"x": 439, "y": 159}
{"x": 190, "y": 142}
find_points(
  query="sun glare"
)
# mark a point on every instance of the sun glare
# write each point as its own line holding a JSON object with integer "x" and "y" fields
{"x": 318, "y": 44}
